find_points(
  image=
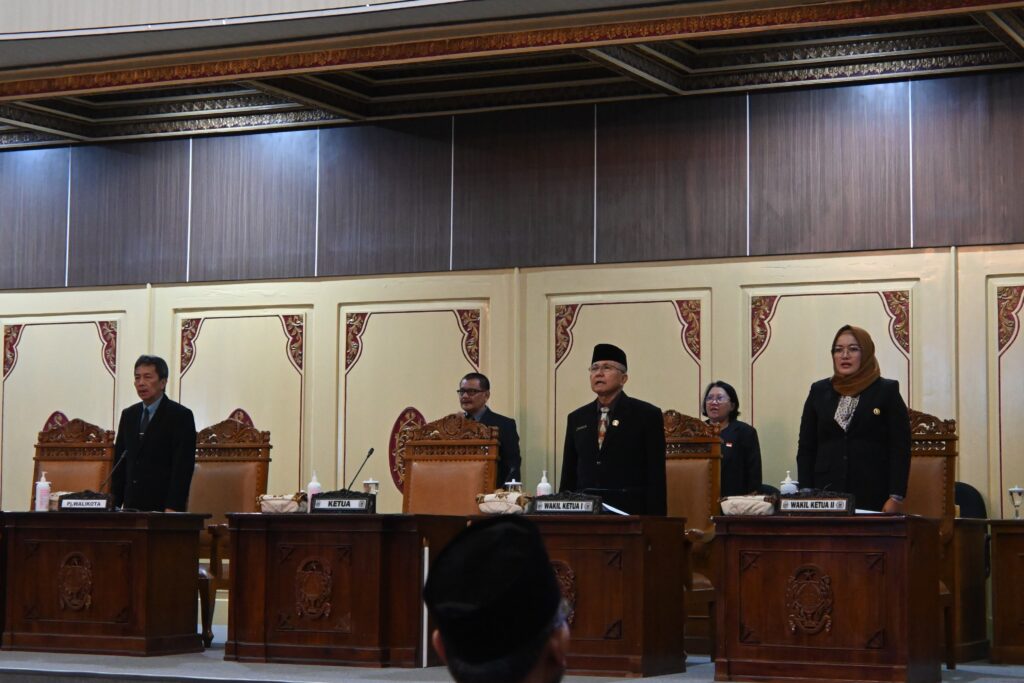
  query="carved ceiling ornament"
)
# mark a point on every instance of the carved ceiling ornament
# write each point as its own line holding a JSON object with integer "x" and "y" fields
{"x": 355, "y": 325}
{"x": 469, "y": 322}
{"x": 408, "y": 422}
{"x": 108, "y": 335}
{"x": 469, "y": 46}
{"x": 809, "y": 600}
{"x": 74, "y": 583}
{"x": 314, "y": 582}
{"x": 294, "y": 329}
{"x": 189, "y": 333}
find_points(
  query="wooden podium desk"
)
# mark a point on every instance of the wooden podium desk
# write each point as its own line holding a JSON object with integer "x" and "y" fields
{"x": 331, "y": 588}
{"x": 828, "y": 598}
{"x": 1007, "y": 591}
{"x": 623, "y": 578}
{"x": 102, "y": 582}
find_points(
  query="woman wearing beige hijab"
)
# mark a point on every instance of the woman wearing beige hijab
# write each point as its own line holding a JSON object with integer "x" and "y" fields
{"x": 855, "y": 432}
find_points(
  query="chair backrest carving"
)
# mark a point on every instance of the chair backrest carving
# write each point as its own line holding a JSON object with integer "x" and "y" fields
{"x": 448, "y": 462}
{"x": 693, "y": 462}
{"x": 232, "y": 468}
{"x": 75, "y": 454}
{"x": 933, "y": 452}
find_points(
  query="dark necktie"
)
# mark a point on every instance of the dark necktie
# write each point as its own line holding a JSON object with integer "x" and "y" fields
{"x": 145, "y": 421}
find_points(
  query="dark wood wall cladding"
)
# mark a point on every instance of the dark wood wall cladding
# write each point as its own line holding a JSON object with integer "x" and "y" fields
{"x": 671, "y": 179}
{"x": 33, "y": 217}
{"x": 129, "y": 216}
{"x": 969, "y": 160}
{"x": 829, "y": 170}
{"x": 385, "y": 198}
{"x": 253, "y": 206}
{"x": 524, "y": 188}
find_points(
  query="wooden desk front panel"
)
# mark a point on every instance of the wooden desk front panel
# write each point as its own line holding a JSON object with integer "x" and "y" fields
{"x": 114, "y": 583}
{"x": 830, "y": 598}
{"x": 1007, "y": 591}
{"x": 623, "y": 577}
{"x": 971, "y": 621}
{"x": 331, "y": 589}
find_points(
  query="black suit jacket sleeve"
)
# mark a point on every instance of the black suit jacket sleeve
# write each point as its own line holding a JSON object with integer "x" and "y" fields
{"x": 654, "y": 446}
{"x": 509, "y": 461}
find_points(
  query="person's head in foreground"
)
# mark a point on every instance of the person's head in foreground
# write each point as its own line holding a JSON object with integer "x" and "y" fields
{"x": 496, "y": 604}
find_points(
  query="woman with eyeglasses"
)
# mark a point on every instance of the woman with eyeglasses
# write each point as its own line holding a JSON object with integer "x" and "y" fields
{"x": 741, "y": 451}
{"x": 855, "y": 431}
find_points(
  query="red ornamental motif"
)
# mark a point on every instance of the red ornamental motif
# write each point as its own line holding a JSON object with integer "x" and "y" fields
{"x": 189, "y": 332}
{"x": 108, "y": 335}
{"x": 239, "y": 415}
{"x": 12, "y": 335}
{"x": 1009, "y": 302}
{"x": 688, "y": 312}
{"x": 409, "y": 420}
{"x": 897, "y": 305}
{"x": 762, "y": 308}
{"x": 565, "y": 318}
{"x": 355, "y": 325}
{"x": 469, "y": 321}
{"x": 294, "y": 328}
{"x": 55, "y": 421}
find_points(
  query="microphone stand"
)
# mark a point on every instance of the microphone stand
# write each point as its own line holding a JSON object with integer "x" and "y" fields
{"x": 356, "y": 475}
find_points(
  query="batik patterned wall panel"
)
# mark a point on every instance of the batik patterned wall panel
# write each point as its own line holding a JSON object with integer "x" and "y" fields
{"x": 791, "y": 331}
{"x": 33, "y": 224}
{"x": 401, "y": 366}
{"x": 65, "y": 364}
{"x": 663, "y": 334}
{"x": 1007, "y": 307}
{"x": 254, "y": 361}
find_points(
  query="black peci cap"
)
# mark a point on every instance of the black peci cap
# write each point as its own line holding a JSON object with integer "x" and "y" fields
{"x": 609, "y": 352}
{"x": 492, "y": 590}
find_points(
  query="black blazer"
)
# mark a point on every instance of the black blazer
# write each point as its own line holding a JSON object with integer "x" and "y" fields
{"x": 508, "y": 445}
{"x": 871, "y": 459}
{"x": 741, "y": 459}
{"x": 631, "y": 463}
{"x": 157, "y": 470}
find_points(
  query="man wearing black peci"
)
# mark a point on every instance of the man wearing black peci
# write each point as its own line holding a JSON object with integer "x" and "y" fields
{"x": 474, "y": 392}
{"x": 615, "y": 446}
{"x": 155, "y": 449}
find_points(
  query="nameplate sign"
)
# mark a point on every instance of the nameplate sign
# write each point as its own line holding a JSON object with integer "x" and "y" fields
{"x": 344, "y": 502}
{"x": 564, "y": 506}
{"x": 86, "y": 501}
{"x": 809, "y": 504}
{"x": 567, "y": 503}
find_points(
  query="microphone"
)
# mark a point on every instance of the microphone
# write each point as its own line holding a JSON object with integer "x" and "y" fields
{"x": 356, "y": 475}
{"x": 124, "y": 454}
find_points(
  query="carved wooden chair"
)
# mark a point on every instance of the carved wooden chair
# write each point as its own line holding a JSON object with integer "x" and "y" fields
{"x": 933, "y": 452}
{"x": 693, "y": 478}
{"x": 75, "y": 455}
{"x": 232, "y": 467}
{"x": 447, "y": 463}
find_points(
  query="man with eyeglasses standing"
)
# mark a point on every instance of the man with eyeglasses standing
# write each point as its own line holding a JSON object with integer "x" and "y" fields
{"x": 474, "y": 392}
{"x": 615, "y": 446}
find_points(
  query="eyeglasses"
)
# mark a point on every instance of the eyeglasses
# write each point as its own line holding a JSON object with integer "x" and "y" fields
{"x": 716, "y": 399}
{"x": 469, "y": 392}
{"x": 851, "y": 349}
{"x": 606, "y": 367}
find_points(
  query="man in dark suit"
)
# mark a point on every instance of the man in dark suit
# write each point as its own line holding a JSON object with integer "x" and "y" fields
{"x": 616, "y": 445}
{"x": 474, "y": 392}
{"x": 156, "y": 439}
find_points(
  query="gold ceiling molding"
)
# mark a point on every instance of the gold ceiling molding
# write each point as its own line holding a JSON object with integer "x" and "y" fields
{"x": 492, "y": 44}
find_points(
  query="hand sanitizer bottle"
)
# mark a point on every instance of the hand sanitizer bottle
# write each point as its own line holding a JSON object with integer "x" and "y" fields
{"x": 312, "y": 489}
{"x": 544, "y": 487}
{"x": 42, "y": 494}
